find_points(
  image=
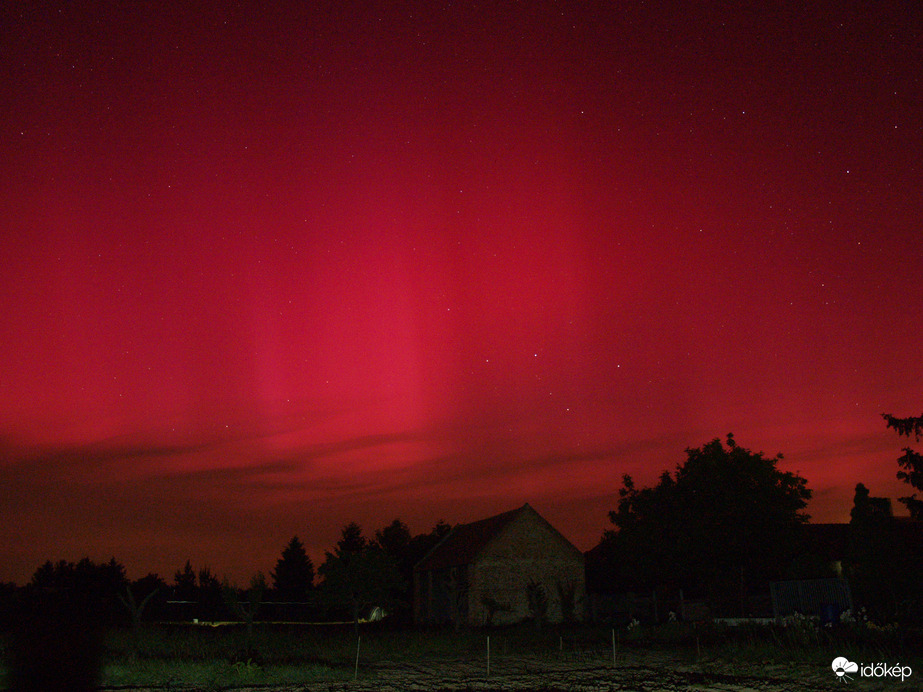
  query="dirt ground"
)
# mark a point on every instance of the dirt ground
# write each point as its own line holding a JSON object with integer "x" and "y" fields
{"x": 647, "y": 672}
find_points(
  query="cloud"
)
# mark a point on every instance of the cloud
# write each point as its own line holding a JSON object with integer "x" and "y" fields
{"x": 843, "y": 665}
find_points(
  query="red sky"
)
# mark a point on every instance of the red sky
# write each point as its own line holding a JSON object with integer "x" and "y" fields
{"x": 268, "y": 271}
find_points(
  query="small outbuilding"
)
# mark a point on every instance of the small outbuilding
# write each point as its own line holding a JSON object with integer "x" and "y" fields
{"x": 486, "y": 572}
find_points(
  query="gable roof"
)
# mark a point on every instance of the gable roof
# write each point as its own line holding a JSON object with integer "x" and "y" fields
{"x": 463, "y": 543}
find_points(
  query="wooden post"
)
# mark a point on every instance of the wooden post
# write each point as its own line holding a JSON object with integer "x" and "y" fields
{"x": 356, "y": 674}
{"x": 488, "y": 655}
{"x": 613, "y": 647}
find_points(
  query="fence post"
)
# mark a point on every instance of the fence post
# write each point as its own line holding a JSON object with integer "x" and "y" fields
{"x": 358, "y": 642}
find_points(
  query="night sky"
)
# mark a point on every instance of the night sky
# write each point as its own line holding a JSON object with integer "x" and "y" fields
{"x": 268, "y": 270}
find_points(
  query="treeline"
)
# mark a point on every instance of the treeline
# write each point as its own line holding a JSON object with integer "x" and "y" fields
{"x": 359, "y": 575}
{"x": 719, "y": 528}
{"x": 728, "y": 522}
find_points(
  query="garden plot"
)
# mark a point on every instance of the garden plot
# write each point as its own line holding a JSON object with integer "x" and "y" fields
{"x": 648, "y": 671}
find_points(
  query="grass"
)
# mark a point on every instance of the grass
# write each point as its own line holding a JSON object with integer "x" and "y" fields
{"x": 795, "y": 640}
{"x": 214, "y": 674}
{"x": 219, "y": 657}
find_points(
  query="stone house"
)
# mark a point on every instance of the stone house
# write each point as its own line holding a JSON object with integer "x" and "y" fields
{"x": 480, "y": 572}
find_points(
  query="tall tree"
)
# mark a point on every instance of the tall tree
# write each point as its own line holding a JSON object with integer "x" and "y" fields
{"x": 184, "y": 588}
{"x": 293, "y": 576}
{"x": 85, "y": 577}
{"x": 726, "y": 518}
{"x": 394, "y": 539}
{"x": 874, "y": 564}
{"x": 407, "y": 551}
{"x": 210, "y": 596}
{"x": 95, "y": 587}
{"x": 911, "y": 462}
{"x": 203, "y": 588}
{"x": 359, "y": 574}
{"x": 351, "y": 539}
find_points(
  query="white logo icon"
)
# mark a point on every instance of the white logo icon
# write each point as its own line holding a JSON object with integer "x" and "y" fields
{"x": 841, "y": 666}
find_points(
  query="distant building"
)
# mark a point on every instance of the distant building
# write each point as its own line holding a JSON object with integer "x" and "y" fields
{"x": 480, "y": 572}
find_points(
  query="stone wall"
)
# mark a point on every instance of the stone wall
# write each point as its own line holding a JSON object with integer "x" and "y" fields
{"x": 528, "y": 549}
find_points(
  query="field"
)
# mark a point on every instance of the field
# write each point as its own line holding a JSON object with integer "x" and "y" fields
{"x": 672, "y": 656}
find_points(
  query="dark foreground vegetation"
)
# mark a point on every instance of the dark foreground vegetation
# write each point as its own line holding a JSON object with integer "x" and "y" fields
{"x": 213, "y": 657}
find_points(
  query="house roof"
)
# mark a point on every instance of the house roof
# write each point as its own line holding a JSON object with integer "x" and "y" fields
{"x": 465, "y": 541}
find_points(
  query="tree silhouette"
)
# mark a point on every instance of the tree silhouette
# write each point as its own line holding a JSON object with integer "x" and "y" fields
{"x": 293, "y": 576}
{"x": 358, "y": 574}
{"x": 211, "y": 597}
{"x": 184, "y": 588}
{"x": 57, "y": 639}
{"x": 351, "y": 539}
{"x": 873, "y": 565}
{"x": 98, "y": 584}
{"x": 203, "y": 588}
{"x": 85, "y": 577}
{"x": 394, "y": 539}
{"x": 727, "y": 517}
{"x": 407, "y": 551}
{"x": 151, "y": 583}
{"x": 911, "y": 462}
